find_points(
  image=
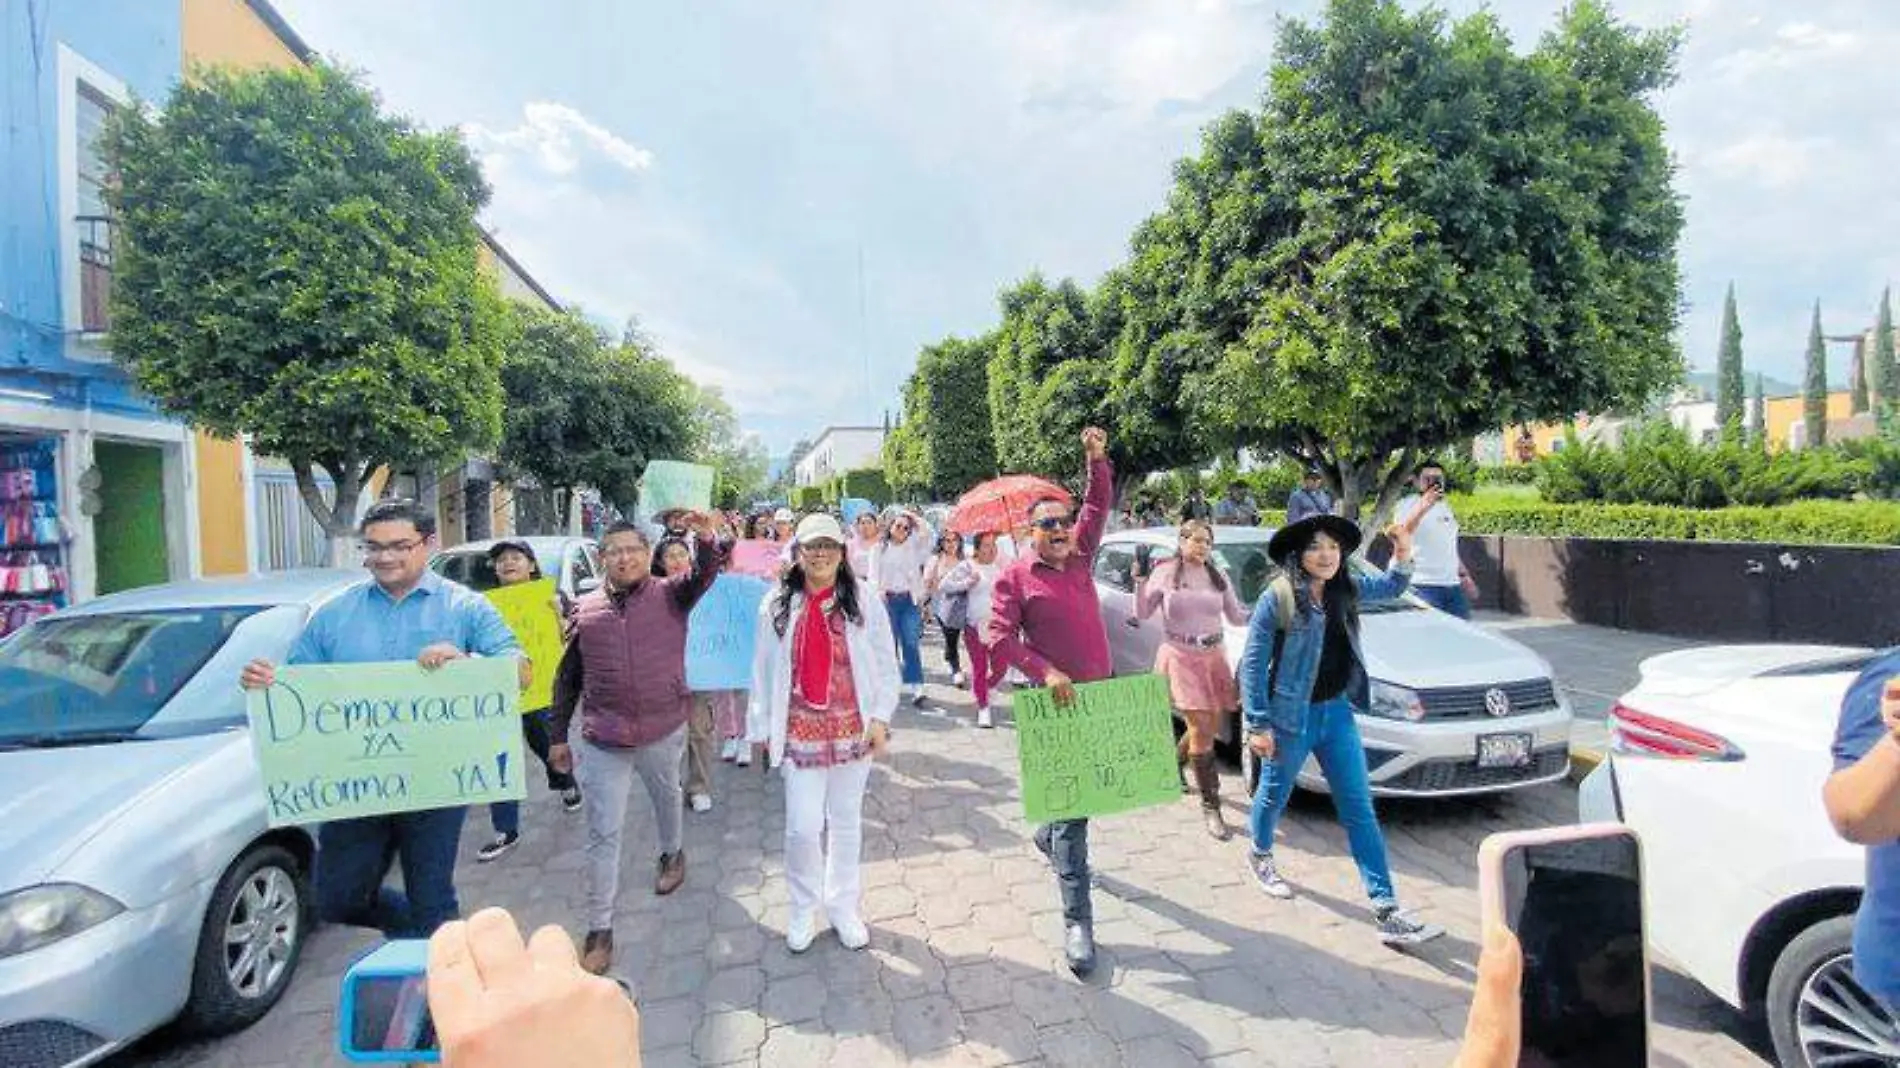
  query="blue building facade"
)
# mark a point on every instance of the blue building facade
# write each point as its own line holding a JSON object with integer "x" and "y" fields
{"x": 105, "y": 501}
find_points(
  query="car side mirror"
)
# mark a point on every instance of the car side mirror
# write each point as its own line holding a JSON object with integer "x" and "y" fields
{"x": 587, "y": 585}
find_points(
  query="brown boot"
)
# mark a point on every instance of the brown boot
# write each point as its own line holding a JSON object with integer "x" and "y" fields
{"x": 1207, "y": 777}
{"x": 597, "y": 955}
{"x": 1181, "y": 763}
{"x": 672, "y": 873}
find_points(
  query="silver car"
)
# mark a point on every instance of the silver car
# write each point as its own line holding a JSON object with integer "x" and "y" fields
{"x": 139, "y": 882}
{"x": 1456, "y": 709}
{"x": 573, "y": 563}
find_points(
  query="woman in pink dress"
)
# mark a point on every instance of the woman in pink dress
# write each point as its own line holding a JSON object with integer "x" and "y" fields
{"x": 1193, "y": 598}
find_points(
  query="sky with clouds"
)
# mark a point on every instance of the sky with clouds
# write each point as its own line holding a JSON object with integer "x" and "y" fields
{"x": 794, "y": 197}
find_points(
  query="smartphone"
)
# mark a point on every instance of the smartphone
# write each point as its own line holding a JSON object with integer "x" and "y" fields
{"x": 1574, "y": 898}
{"x": 383, "y": 1016}
{"x": 1436, "y": 482}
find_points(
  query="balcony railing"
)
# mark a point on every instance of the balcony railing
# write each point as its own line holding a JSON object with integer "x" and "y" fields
{"x": 95, "y": 273}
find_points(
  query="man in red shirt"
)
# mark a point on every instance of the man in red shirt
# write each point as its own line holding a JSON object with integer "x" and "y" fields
{"x": 1046, "y": 622}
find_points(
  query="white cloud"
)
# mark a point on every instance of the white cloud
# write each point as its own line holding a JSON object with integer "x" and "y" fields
{"x": 1795, "y": 44}
{"x": 554, "y": 136}
{"x": 1771, "y": 159}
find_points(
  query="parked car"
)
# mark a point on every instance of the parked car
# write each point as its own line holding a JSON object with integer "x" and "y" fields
{"x": 1717, "y": 760}
{"x": 139, "y": 880}
{"x": 573, "y": 563}
{"x": 1456, "y": 709}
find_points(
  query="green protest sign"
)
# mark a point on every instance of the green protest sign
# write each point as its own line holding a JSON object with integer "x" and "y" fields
{"x": 336, "y": 741}
{"x": 1110, "y": 751}
{"x": 670, "y": 484}
{"x": 531, "y": 611}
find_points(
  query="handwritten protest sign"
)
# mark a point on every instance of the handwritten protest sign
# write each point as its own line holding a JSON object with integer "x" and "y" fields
{"x": 336, "y": 741}
{"x": 670, "y": 484}
{"x": 721, "y": 633}
{"x": 756, "y": 556}
{"x": 529, "y": 610}
{"x": 853, "y": 507}
{"x": 1110, "y": 751}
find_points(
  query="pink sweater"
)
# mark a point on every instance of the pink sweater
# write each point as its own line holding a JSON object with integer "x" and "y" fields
{"x": 1194, "y": 610}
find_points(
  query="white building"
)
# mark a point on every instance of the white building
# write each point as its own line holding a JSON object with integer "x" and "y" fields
{"x": 837, "y": 450}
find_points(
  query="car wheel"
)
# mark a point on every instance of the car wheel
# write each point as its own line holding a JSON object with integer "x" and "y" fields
{"x": 248, "y": 947}
{"x": 1817, "y": 1014}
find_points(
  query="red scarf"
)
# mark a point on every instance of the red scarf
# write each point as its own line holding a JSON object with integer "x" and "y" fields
{"x": 811, "y": 650}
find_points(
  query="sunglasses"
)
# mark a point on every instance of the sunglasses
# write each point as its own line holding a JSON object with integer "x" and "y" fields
{"x": 1055, "y": 523}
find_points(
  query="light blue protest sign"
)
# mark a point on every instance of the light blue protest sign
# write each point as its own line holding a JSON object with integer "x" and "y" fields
{"x": 721, "y": 633}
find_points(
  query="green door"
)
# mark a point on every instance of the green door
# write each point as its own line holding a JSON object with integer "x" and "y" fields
{"x": 129, "y": 531}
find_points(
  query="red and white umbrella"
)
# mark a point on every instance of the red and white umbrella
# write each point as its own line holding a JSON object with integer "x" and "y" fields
{"x": 1002, "y": 504}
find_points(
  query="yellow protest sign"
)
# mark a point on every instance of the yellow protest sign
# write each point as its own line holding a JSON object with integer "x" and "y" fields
{"x": 530, "y": 610}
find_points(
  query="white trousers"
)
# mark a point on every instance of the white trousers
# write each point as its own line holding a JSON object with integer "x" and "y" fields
{"x": 819, "y": 872}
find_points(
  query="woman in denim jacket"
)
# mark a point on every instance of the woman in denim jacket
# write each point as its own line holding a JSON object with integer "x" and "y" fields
{"x": 1301, "y": 676}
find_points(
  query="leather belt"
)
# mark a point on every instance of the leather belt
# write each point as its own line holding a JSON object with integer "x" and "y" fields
{"x": 1198, "y": 641}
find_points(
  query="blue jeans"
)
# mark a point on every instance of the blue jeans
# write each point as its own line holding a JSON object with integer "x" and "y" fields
{"x": 353, "y": 857}
{"x": 1331, "y": 735}
{"x": 907, "y": 624}
{"x": 1067, "y": 843}
{"x": 1448, "y": 599}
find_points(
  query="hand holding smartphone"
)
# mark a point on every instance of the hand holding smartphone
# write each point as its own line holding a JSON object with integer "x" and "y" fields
{"x": 1573, "y": 897}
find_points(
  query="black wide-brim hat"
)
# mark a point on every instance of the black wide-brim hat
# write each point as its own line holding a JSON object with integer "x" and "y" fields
{"x": 1295, "y": 537}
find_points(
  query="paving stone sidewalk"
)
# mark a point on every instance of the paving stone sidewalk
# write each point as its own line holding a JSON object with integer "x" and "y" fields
{"x": 964, "y": 968}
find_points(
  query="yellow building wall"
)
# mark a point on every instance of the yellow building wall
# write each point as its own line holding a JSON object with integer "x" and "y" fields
{"x": 228, "y": 33}
{"x": 222, "y": 546}
{"x": 1785, "y": 412}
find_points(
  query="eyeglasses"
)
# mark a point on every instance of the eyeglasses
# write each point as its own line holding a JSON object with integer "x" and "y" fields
{"x": 821, "y": 547}
{"x": 1055, "y": 523}
{"x": 373, "y": 549}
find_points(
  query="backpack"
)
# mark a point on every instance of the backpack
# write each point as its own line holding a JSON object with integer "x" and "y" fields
{"x": 953, "y": 609}
{"x": 1281, "y": 590}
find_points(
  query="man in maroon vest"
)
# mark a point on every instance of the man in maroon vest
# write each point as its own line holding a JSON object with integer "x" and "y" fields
{"x": 626, "y": 670}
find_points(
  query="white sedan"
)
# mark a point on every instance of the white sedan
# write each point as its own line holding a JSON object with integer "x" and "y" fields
{"x": 1456, "y": 709}
{"x": 1718, "y": 758}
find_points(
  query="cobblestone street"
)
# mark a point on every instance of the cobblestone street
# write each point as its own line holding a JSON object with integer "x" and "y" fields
{"x": 964, "y": 966}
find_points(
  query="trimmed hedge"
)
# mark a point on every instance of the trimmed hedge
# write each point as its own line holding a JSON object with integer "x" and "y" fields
{"x": 807, "y": 498}
{"x": 1801, "y": 523}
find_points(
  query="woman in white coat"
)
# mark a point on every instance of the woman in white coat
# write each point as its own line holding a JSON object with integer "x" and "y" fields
{"x": 824, "y": 685}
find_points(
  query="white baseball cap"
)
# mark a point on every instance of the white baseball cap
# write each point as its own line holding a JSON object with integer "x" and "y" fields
{"x": 784, "y": 515}
{"x": 818, "y": 528}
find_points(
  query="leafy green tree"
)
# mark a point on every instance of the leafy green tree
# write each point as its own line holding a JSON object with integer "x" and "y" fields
{"x": 293, "y": 264}
{"x": 1047, "y": 377}
{"x": 1814, "y": 385}
{"x": 737, "y": 458}
{"x": 1884, "y": 373}
{"x": 1731, "y": 390}
{"x": 1424, "y": 235}
{"x": 1758, "y": 416}
{"x": 906, "y": 460}
{"x": 954, "y": 422}
{"x": 586, "y": 411}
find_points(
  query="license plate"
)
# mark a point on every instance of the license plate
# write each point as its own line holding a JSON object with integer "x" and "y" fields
{"x": 1504, "y": 750}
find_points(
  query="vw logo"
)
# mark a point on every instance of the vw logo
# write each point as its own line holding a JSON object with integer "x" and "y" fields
{"x": 1497, "y": 702}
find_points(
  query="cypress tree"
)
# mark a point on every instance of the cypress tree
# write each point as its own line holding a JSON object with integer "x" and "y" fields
{"x": 1730, "y": 384}
{"x": 1884, "y": 374}
{"x": 1758, "y": 416}
{"x": 1815, "y": 386}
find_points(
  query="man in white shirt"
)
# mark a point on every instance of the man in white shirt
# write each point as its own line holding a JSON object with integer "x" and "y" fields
{"x": 1438, "y": 575}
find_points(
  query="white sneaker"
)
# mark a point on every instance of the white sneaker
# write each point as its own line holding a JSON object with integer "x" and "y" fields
{"x": 702, "y": 802}
{"x": 729, "y": 752}
{"x": 800, "y": 931}
{"x": 744, "y": 759}
{"x": 958, "y": 680}
{"x": 852, "y": 934}
{"x": 917, "y": 695}
{"x": 984, "y": 718}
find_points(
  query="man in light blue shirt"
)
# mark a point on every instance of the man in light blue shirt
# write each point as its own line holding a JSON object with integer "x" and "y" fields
{"x": 1863, "y": 800}
{"x": 404, "y": 612}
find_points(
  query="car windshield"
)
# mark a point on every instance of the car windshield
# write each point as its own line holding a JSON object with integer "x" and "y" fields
{"x": 1248, "y": 565}
{"x": 73, "y": 679}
